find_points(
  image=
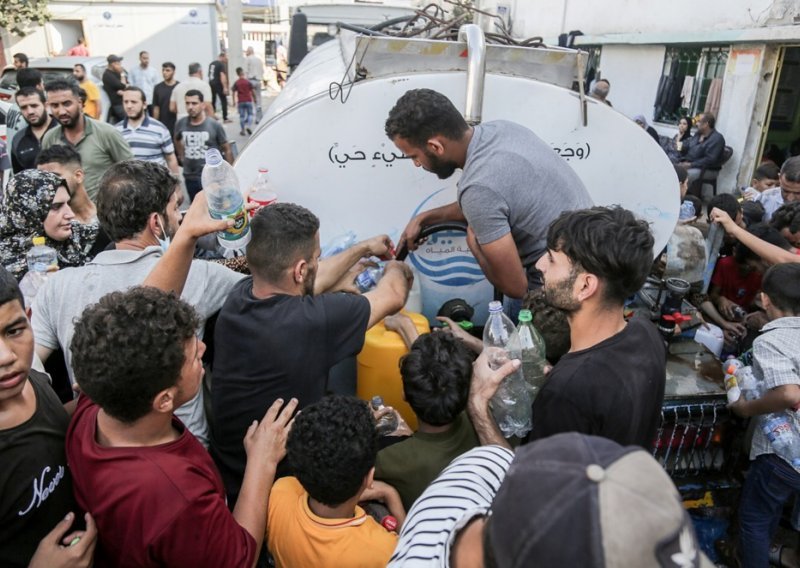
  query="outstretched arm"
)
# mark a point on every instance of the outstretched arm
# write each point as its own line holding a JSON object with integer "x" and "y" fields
{"x": 769, "y": 252}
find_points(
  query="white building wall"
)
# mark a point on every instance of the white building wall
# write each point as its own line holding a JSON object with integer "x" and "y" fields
{"x": 634, "y": 72}
{"x": 181, "y": 32}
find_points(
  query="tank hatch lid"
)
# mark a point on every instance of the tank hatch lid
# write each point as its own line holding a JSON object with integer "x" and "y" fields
{"x": 384, "y": 56}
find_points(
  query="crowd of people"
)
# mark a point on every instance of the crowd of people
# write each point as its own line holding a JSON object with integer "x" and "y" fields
{"x": 198, "y": 428}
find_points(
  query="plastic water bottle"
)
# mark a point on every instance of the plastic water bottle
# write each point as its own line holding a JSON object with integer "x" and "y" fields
{"x": 511, "y": 404}
{"x": 42, "y": 260}
{"x": 533, "y": 352}
{"x": 687, "y": 211}
{"x": 740, "y": 381}
{"x": 368, "y": 279}
{"x": 262, "y": 191}
{"x": 339, "y": 244}
{"x": 225, "y": 200}
{"x": 783, "y": 436}
{"x": 388, "y": 422}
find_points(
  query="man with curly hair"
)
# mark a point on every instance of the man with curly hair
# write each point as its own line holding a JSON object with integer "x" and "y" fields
{"x": 314, "y": 517}
{"x": 152, "y": 488}
{"x": 512, "y": 185}
{"x": 138, "y": 209}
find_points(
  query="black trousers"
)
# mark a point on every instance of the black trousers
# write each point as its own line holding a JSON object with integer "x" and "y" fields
{"x": 217, "y": 92}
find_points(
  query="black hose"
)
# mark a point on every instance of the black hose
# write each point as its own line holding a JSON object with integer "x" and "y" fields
{"x": 393, "y": 21}
{"x": 360, "y": 30}
{"x": 402, "y": 251}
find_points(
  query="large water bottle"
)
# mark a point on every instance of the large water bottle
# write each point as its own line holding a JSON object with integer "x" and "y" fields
{"x": 42, "y": 260}
{"x": 782, "y": 435}
{"x": 533, "y": 352}
{"x": 225, "y": 200}
{"x": 511, "y": 404}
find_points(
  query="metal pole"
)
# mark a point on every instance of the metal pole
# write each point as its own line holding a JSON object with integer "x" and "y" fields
{"x": 235, "y": 57}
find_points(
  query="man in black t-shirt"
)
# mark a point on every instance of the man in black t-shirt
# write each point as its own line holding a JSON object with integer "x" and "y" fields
{"x": 114, "y": 82}
{"x": 162, "y": 93}
{"x": 281, "y": 330}
{"x": 611, "y": 382}
{"x": 37, "y": 488}
{"x": 218, "y": 80}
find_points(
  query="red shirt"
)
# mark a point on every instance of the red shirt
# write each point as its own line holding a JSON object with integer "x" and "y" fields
{"x": 735, "y": 286}
{"x": 244, "y": 89}
{"x": 154, "y": 506}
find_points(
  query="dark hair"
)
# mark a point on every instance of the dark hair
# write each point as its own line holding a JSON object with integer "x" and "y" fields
{"x": 681, "y": 172}
{"x": 331, "y": 448}
{"x": 436, "y": 375}
{"x": 791, "y": 169}
{"x": 551, "y": 323}
{"x": 194, "y": 68}
{"x": 20, "y": 57}
{"x": 169, "y": 64}
{"x": 282, "y": 234}
{"x": 781, "y": 283}
{"x": 134, "y": 88}
{"x": 787, "y": 217}
{"x": 753, "y": 212}
{"x": 726, "y": 202}
{"x": 129, "y": 192}
{"x": 422, "y": 113}
{"x": 239, "y": 70}
{"x": 194, "y": 93}
{"x": 9, "y": 288}
{"x": 59, "y": 154}
{"x": 130, "y": 346}
{"x": 765, "y": 232}
{"x": 28, "y": 77}
{"x": 608, "y": 242}
{"x": 63, "y": 85}
{"x": 81, "y": 65}
{"x": 688, "y": 133}
{"x": 29, "y": 92}
{"x": 142, "y": 53}
{"x": 710, "y": 119}
{"x": 767, "y": 170}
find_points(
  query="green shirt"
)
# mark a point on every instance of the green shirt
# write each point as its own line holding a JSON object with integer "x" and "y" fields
{"x": 101, "y": 146}
{"x": 411, "y": 465}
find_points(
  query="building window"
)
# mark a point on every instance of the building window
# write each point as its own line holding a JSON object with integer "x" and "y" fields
{"x": 691, "y": 82}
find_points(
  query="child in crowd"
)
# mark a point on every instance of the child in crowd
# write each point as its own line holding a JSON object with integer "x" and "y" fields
{"x": 436, "y": 376}
{"x": 314, "y": 518}
{"x": 156, "y": 495}
{"x": 36, "y": 481}
{"x": 787, "y": 220}
{"x": 735, "y": 285}
{"x": 772, "y": 481}
{"x": 765, "y": 177}
{"x": 243, "y": 97}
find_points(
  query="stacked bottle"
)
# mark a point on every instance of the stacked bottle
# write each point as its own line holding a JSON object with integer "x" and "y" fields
{"x": 533, "y": 352}
{"x": 511, "y": 404}
{"x": 41, "y": 260}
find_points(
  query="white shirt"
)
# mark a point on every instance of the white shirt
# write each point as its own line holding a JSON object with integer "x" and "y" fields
{"x": 145, "y": 79}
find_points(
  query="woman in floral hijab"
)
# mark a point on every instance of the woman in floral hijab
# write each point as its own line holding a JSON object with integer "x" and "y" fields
{"x": 36, "y": 204}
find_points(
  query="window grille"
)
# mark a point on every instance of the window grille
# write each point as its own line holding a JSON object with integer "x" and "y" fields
{"x": 686, "y": 80}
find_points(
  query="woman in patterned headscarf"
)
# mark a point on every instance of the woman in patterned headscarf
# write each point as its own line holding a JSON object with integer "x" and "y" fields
{"x": 36, "y": 203}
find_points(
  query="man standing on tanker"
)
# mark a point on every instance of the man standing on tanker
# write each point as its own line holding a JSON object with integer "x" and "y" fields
{"x": 513, "y": 185}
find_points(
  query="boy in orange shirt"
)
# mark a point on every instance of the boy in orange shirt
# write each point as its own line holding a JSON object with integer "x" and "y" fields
{"x": 314, "y": 518}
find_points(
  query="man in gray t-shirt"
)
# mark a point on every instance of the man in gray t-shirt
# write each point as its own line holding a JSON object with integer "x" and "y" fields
{"x": 138, "y": 207}
{"x": 194, "y": 134}
{"x": 512, "y": 187}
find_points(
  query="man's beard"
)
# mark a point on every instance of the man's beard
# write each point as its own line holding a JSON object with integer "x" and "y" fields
{"x": 443, "y": 169}
{"x": 71, "y": 120}
{"x": 559, "y": 294}
{"x": 40, "y": 121}
{"x": 137, "y": 116}
{"x": 308, "y": 282}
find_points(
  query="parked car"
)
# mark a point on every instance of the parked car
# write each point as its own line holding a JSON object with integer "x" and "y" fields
{"x": 57, "y": 68}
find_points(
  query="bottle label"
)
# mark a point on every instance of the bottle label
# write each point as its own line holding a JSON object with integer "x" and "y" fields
{"x": 240, "y": 224}
{"x": 778, "y": 431}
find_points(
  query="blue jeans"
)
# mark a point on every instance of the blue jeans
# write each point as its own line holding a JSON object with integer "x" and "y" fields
{"x": 770, "y": 483}
{"x": 246, "y": 113}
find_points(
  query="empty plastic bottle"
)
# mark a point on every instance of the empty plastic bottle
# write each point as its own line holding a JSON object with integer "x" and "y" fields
{"x": 339, "y": 244}
{"x": 687, "y": 211}
{"x": 225, "y": 200}
{"x": 42, "y": 260}
{"x": 388, "y": 422}
{"x": 368, "y": 279}
{"x": 511, "y": 404}
{"x": 262, "y": 191}
{"x": 782, "y": 435}
{"x": 533, "y": 352}
{"x": 740, "y": 381}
